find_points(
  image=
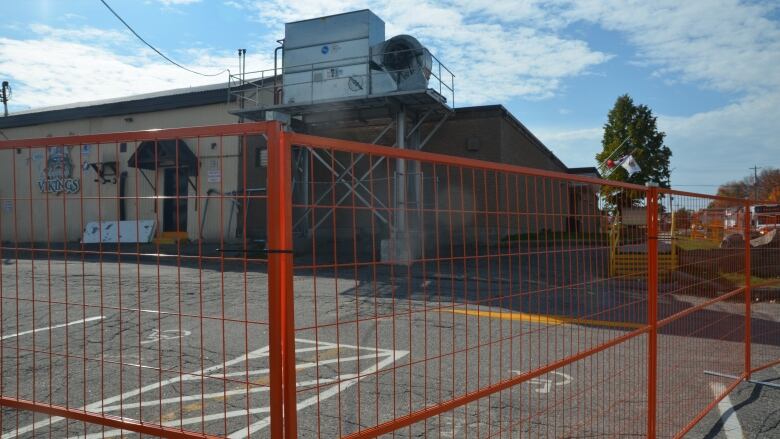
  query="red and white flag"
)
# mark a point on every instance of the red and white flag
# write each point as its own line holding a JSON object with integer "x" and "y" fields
{"x": 630, "y": 165}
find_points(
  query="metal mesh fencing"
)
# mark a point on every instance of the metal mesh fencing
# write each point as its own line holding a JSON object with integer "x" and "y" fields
{"x": 133, "y": 295}
{"x": 461, "y": 298}
{"x": 243, "y": 281}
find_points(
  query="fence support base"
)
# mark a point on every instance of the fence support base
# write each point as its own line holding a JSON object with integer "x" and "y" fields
{"x": 737, "y": 377}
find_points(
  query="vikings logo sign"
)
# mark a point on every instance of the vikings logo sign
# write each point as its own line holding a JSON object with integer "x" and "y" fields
{"x": 57, "y": 176}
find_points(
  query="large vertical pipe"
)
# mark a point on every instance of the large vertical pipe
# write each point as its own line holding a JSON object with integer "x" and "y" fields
{"x": 400, "y": 179}
{"x": 305, "y": 186}
{"x": 416, "y": 181}
{"x": 277, "y": 89}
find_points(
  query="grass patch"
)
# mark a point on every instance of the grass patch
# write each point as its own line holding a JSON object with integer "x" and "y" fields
{"x": 695, "y": 244}
{"x": 738, "y": 279}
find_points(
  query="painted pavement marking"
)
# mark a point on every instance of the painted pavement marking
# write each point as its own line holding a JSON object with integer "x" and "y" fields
{"x": 731, "y": 426}
{"x": 330, "y": 386}
{"x": 49, "y": 328}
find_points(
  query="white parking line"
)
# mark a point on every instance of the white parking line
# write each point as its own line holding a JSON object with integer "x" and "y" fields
{"x": 215, "y": 395}
{"x": 731, "y": 427}
{"x": 301, "y": 366}
{"x": 331, "y": 386}
{"x": 96, "y": 406}
{"x": 335, "y": 389}
{"x": 49, "y": 328}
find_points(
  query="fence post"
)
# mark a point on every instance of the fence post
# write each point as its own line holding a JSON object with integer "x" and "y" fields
{"x": 748, "y": 294}
{"x": 280, "y": 304}
{"x": 652, "y": 307}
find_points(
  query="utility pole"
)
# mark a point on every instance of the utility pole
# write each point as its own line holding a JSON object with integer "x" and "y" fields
{"x": 755, "y": 181}
{"x": 5, "y": 96}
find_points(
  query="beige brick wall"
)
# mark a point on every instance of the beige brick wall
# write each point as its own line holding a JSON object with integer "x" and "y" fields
{"x": 31, "y": 215}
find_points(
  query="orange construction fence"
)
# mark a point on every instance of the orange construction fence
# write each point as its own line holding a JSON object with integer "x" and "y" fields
{"x": 245, "y": 281}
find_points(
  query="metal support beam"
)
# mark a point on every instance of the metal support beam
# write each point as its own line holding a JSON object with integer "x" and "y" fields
{"x": 300, "y": 185}
{"x": 382, "y": 134}
{"x": 340, "y": 178}
{"x": 419, "y": 122}
{"x": 297, "y": 168}
{"x": 357, "y": 187}
{"x": 399, "y": 204}
{"x": 345, "y": 173}
{"x": 434, "y": 130}
{"x": 350, "y": 189}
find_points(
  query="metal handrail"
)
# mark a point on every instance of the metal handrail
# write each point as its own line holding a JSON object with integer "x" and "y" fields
{"x": 440, "y": 79}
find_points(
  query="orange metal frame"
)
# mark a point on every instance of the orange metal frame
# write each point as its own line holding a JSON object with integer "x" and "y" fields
{"x": 282, "y": 316}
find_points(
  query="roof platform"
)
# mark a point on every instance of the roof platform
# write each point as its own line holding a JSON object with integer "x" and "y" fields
{"x": 341, "y": 111}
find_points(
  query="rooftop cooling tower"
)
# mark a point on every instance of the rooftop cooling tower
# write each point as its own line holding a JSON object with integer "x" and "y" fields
{"x": 345, "y": 56}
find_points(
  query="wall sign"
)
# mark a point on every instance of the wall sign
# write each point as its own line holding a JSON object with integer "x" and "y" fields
{"x": 57, "y": 176}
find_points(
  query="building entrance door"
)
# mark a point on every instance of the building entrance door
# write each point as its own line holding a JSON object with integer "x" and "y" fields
{"x": 175, "y": 202}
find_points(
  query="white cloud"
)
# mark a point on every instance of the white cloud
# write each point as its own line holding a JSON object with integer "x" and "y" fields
{"x": 178, "y": 2}
{"x": 87, "y": 64}
{"x": 542, "y": 14}
{"x": 578, "y": 135}
{"x": 499, "y": 50}
{"x": 234, "y": 4}
{"x": 728, "y": 45}
{"x": 93, "y": 35}
{"x": 722, "y": 45}
{"x": 69, "y": 17}
{"x": 493, "y": 60}
{"x": 728, "y": 139}
{"x": 577, "y": 147}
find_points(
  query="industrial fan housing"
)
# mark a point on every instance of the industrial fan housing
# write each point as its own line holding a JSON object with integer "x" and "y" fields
{"x": 346, "y": 56}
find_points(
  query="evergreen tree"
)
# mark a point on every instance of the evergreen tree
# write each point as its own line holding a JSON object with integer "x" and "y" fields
{"x": 636, "y": 125}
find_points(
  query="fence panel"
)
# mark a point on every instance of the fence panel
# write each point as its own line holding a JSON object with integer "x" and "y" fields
{"x": 133, "y": 292}
{"x": 275, "y": 284}
{"x": 701, "y": 310}
{"x": 443, "y": 296}
{"x": 765, "y": 292}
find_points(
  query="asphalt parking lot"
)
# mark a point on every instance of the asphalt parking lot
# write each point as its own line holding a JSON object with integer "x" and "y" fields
{"x": 750, "y": 411}
{"x": 185, "y": 345}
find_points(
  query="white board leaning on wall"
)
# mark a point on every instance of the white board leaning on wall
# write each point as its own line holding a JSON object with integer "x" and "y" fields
{"x": 140, "y": 231}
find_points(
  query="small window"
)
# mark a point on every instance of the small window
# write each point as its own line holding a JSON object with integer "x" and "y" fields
{"x": 123, "y": 147}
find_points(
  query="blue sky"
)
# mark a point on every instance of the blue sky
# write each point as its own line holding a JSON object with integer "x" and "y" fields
{"x": 709, "y": 69}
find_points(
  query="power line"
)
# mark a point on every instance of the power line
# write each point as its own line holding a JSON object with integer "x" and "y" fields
{"x": 154, "y": 48}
